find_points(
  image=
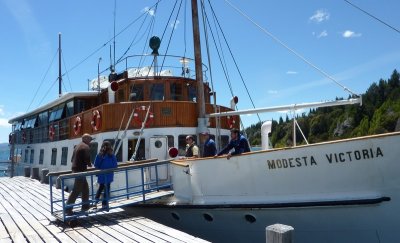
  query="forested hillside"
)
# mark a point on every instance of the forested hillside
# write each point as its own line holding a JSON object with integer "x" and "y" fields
{"x": 379, "y": 113}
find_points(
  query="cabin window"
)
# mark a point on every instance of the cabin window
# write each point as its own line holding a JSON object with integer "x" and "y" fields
{"x": 43, "y": 119}
{"x": 32, "y": 156}
{"x": 182, "y": 143}
{"x": 70, "y": 108}
{"x": 157, "y": 92}
{"x": 170, "y": 141}
{"x": 53, "y": 156}
{"x": 121, "y": 95}
{"x": 176, "y": 91}
{"x": 41, "y": 156}
{"x": 140, "y": 154}
{"x": 18, "y": 126}
{"x": 56, "y": 113}
{"x": 26, "y": 156}
{"x": 136, "y": 92}
{"x": 192, "y": 92}
{"x": 64, "y": 155}
{"x": 80, "y": 106}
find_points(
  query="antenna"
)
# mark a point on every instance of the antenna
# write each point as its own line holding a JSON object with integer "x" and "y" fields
{"x": 115, "y": 14}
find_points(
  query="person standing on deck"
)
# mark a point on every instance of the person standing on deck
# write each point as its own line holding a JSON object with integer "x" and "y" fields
{"x": 192, "y": 151}
{"x": 105, "y": 160}
{"x": 80, "y": 162}
{"x": 238, "y": 142}
{"x": 209, "y": 145}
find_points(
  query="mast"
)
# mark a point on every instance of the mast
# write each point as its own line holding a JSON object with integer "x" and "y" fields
{"x": 202, "y": 120}
{"x": 59, "y": 65}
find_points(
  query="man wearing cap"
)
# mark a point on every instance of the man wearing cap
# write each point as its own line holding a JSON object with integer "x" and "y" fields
{"x": 209, "y": 145}
{"x": 192, "y": 151}
{"x": 80, "y": 161}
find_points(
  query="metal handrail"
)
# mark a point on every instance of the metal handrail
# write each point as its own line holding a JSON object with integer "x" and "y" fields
{"x": 130, "y": 190}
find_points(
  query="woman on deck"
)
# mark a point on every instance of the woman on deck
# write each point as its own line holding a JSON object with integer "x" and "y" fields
{"x": 105, "y": 160}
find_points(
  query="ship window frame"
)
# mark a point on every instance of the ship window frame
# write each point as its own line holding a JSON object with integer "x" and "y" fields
{"x": 41, "y": 156}
{"x": 64, "y": 155}
{"x": 139, "y": 89}
{"x": 69, "y": 108}
{"x": 192, "y": 92}
{"x": 56, "y": 113}
{"x": 26, "y": 156}
{"x": 156, "y": 93}
{"x": 53, "y": 156}
{"x": 18, "y": 126}
{"x": 43, "y": 118}
{"x": 32, "y": 155}
{"x": 174, "y": 95}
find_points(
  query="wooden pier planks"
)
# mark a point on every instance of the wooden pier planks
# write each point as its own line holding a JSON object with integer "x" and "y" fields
{"x": 25, "y": 217}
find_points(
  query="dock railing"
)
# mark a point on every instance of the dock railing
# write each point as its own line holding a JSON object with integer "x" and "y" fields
{"x": 133, "y": 183}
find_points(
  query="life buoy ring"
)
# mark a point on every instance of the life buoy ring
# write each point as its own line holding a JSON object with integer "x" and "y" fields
{"x": 230, "y": 120}
{"x": 142, "y": 109}
{"x": 77, "y": 125}
{"x": 52, "y": 132}
{"x": 23, "y": 136}
{"x": 96, "y": 120}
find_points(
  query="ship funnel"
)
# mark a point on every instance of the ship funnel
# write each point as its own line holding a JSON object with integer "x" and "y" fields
{"x": 265, "y": 129}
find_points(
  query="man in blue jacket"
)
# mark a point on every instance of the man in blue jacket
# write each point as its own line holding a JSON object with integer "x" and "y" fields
{"x": 238, "y": 142}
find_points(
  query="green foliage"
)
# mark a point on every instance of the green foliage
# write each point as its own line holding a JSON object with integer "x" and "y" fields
{"x": 379, "y": 113}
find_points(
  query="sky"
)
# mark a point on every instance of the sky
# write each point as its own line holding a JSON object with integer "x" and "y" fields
{"x": 281, "y": 48}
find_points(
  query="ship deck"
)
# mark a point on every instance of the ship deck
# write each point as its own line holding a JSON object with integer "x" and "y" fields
{"x": 25, "y": 217}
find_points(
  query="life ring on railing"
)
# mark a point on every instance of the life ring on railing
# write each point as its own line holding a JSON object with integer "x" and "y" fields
{"x": 52, "y": 132}
{"x": 142, "y": 109}
{"x": 23, "y": 136}
{"x": 77, "y": 125}
{"x": 230, "y": 120}
{"x": 96, "y": 120}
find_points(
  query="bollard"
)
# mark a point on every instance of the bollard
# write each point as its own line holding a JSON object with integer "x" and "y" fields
{"x": 27, "y": 171}
{"x": 279, "y": 233}
{"x": 45, "y": 178}
{"x": 35, "y": 173}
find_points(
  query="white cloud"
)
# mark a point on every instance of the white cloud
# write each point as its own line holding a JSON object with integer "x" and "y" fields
{"x": 149, "y": 11}
{"x": 175, "y": 25}
{"x": 291, "y": 72}
{"x": 350, "y": 34}
{"x": 320, "y": 16}
{"x": 1, "y": 111}
{"x": 272, "y": 91}
{"x": 4, "y": 123}
{"x": 324, "y": 33}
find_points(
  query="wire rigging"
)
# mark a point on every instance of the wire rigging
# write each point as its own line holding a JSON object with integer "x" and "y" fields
{"x": 290, "y": 49}
{"x": 372, "y": 16}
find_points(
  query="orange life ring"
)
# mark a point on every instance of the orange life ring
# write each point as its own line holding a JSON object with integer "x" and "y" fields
{"x": 96, "y": 120}
{"x": 230, "y": 120}
{"x": 142, "y": 109}
{"x": 23, "y": 136}
{"x": 77, "y": 125}
{"x": 52, "y": 132}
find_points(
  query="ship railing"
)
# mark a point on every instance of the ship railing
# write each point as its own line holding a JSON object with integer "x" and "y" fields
{"x": 133, "y": 183}
{"x": 164, "y": 65}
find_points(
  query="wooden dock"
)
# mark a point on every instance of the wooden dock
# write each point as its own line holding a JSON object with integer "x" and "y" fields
{"x": 25, "y": 217}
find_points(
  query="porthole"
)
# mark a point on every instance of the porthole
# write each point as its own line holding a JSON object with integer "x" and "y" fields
{"x": 208, "y": 217}
{"x": 158, "y": 144}
{"x": 250, "y": 218}
{"x": 175, "y": 216}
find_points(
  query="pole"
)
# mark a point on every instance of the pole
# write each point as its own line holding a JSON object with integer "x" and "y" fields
{"x": 59, "y": 65}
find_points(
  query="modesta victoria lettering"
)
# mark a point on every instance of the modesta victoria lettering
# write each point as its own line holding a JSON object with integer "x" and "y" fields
{"x": 348, "y": 156}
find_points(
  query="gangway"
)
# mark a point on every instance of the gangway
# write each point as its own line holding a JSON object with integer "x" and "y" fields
{"x": 132, "y": 184}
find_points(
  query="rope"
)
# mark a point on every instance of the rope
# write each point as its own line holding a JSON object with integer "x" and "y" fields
{"x": 290, "y": 49}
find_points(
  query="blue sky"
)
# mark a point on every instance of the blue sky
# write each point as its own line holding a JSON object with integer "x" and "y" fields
{"x": 339, "y": 39}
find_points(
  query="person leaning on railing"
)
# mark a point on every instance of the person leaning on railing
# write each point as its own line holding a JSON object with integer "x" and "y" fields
{"x": 238, "y": 142}
{"x": 105, "y": 160}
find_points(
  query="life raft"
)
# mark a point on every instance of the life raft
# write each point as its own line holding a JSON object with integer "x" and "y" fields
{"x": 142, "y": 110}
{"x": 96, "y": 120}
{"x": 77, "y": 125}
